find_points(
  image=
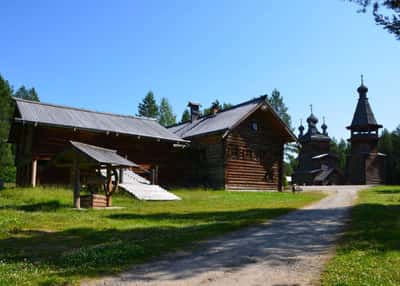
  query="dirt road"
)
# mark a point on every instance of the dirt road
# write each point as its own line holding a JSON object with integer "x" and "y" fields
{"x": 290, "y": 250}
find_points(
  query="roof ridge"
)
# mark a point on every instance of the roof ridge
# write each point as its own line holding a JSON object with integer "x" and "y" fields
{"x": 262, "y": 97}
{"x": 83, "y": 109}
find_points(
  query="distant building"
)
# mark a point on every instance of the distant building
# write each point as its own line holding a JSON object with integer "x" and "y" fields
{"x": 365, "y": 165}
{"x": 316, "y": 164}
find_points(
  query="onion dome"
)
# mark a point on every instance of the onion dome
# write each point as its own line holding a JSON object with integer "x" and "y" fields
{"x": 312, "y": 120}
{"x": 324, "y": 127}
{"x": 362, "y": 89}
{"x": 301, "y": 127}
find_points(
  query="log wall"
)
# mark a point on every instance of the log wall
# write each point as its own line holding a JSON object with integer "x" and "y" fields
{"x": 254, "y": 157}
{"x": 245, "y": 159}
{"x": 44, "y": 143}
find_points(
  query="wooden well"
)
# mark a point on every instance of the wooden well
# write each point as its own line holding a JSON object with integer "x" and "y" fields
{"x": 93, "y": 201}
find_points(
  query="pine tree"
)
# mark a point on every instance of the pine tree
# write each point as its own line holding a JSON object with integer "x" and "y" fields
{"x": 226, "y": 105}
{"x": 185, "y": 116}
{"x": 340, "y": 149}
{"x": 166, "y": 115}
{"x": 28, "y": 94}
{"x": 7, "y": 169}
{"x": 395, "y": 172}
{"x": 276, "y": 101}
{"x": 386, "y": 13}
{"x": 385, "y": 146}
{"x": 148, "y": 107}
{"x": 216, "y": 104}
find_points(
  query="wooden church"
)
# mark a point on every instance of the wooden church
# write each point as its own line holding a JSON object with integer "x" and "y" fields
{"x": 365, "y": 165}
{"x": 316, "y": 164}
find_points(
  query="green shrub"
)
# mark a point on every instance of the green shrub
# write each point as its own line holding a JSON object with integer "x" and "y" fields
{"x": 8, "y": 174}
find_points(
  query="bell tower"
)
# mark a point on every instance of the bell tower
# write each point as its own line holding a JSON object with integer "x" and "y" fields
{"x": 364, "y": 165}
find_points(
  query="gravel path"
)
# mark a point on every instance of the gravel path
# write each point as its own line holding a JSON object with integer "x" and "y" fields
{"x": 290, "y": 250}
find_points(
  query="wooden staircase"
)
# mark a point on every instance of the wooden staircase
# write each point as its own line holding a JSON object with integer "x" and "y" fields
{"x": 142, "y": 189}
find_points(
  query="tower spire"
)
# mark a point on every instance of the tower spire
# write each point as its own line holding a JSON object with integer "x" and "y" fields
{"x": 324, "y": 127}
{"x": 301, "y": 127}
{"x": 363, "y": 119}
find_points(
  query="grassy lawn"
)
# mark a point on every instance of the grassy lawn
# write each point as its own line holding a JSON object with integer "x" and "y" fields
{"x": 370, "y": 251}
{"x": 45, "y": 242}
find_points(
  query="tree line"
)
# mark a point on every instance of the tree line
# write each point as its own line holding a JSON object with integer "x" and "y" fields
{"x": 7, "y": 151}
{"x": 163, "y": 112}
{"x": 389, "y": 142}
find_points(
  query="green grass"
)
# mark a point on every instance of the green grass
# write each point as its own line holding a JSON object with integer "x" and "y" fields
{"x": 370, "y": 251}
{"x": 45, "y": 242}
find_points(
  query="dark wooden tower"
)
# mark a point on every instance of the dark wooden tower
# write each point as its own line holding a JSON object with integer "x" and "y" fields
{"x": 317, "y": 165}
{"x": 364, "y": 165}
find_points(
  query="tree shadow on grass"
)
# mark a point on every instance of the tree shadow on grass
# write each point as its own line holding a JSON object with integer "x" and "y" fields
{"x": 48, "y": 206}
{"x": 392, "y": 191}
{"x": 374, "y": 227}
{"x": 237, "y": 216}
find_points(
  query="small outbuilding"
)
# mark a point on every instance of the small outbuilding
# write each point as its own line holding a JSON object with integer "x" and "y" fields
{"x": 96, "y": 167}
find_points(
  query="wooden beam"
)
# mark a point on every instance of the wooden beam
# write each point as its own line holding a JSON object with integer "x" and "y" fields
{"x": 34, "y": 173}
{"x": 281, "y": 171}
{"x": 156, "y": 175}
{"x": 109, "y": 186}
{"x": 77, "y": 183}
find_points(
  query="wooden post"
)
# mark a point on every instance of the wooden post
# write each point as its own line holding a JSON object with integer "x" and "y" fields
{"x": 34, "y": 173}
{"x": 109, "y": 187}
{"x": 280, "y": 170}
{"x": 77, "y": 183}
{"x": 156, "y": 175}
{"x": 121, "y": 175}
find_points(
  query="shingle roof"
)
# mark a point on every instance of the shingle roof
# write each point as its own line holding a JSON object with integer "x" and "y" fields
{"x": 103, "y": 155}
{"x": 56, "y": 115}
{"x": 221, "y": 121}
{"x": 363, "y": 116}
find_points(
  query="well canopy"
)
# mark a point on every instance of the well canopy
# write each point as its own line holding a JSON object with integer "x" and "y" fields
{"x": 93, "y": 155}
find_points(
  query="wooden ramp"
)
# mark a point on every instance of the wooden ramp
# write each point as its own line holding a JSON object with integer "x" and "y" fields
{"x": 142, "y": 189}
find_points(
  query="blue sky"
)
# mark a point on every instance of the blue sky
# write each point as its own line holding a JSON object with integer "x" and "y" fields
{"x": 106, "y": 55}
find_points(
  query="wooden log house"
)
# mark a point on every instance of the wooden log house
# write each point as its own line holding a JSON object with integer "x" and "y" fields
{"x": 237, "y": 148}
{"x": 41, "y": 131}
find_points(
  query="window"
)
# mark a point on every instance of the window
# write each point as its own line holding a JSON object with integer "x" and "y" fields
{"x": 234, "y": 153}
{"x": 254, "y": 126}
{"x": 249, "y": 155}
{"x": 269, "y": 175}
